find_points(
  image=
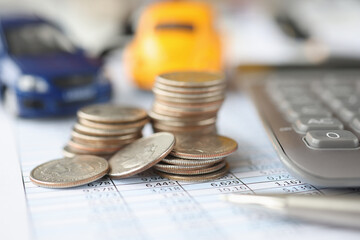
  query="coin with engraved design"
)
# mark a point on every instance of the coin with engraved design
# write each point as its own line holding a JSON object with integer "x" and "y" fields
{"x": 141, "y": 155}
{"x": 69, "y": 172}
{"x": 203, "y": 147}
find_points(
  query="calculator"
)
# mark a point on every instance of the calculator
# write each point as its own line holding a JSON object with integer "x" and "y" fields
{"x": 313, "y": 120}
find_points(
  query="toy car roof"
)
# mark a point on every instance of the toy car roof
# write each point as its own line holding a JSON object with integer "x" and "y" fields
{"x": 8, "y": 19}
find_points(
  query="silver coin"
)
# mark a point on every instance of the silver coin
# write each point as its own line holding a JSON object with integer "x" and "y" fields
{"x": 69, "y": 152}
{"x": 189, "y": 100}
{"x": 165, "y": 127}
{"x": 187, "y": 110}
{"x": 190, "y": 162}
{"x": 115, "y": 126}
{"x": 188, "y": 96}
{"x": 124, "y": 139}
{"x": 105, "y": 132}
{"x": 190, "y": 105}
{"x": 220, "y": 87}
{"x": 69, "y": 172}
{"x": 186, "y": 124}
{"x": 161, "y": 166}
{"x": 195, "y": 178}
{"x": 163, "y": 111}
{"x": 161, "y": 117}
{"x": 141, "y": 155}
{"x": 109, "y": 113}
{"x": 187, "y": 171}
{"x": 191, "y": 79}
{"x": 77, "y": 151}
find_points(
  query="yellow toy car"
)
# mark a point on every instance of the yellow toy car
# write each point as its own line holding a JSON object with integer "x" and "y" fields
{"x": 173, "y": 36}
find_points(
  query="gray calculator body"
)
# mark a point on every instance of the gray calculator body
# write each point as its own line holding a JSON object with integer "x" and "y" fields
{"x": 313, "y": 120}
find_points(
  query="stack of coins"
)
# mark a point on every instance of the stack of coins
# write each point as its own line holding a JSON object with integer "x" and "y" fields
{"x": 187, "y": 102}
{"x": 197, "y": 158}
{"x": 103, "y": 129}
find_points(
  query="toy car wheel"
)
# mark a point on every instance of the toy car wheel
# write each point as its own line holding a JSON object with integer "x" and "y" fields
{"x": 10, "y": 102}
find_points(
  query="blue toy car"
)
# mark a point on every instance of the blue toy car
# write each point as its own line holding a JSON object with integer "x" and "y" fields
{"x": 42, "y": 73}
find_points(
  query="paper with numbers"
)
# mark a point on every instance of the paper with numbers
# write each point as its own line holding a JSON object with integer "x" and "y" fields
{"x": 147, "y": 206}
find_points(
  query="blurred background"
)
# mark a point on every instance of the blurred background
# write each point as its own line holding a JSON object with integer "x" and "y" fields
{"x": 143, "y": 38}
{"x": 252, "y": 31}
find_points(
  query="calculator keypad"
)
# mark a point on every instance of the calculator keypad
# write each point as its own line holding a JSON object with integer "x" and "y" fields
{"x": 324, "y": 110}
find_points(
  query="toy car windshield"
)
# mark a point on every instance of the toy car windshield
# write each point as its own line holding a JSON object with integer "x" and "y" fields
{"x": 37, "y": 39}
{"x": 180, "y": 26}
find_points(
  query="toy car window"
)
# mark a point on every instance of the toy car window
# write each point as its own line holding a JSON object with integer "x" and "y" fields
{"x": 170, "y": 26}
{"x": 37, "y": 39}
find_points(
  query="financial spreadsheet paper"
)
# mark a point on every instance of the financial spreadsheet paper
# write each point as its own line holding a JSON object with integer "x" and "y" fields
{"x": 147, "y": 206}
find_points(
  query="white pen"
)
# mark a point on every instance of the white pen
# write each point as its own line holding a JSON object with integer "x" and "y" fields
{"x": 333, "y": 210}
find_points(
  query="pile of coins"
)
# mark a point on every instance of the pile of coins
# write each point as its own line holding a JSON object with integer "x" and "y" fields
{"x": 104, "y": 129}
{"x": 186, "y": 149}
{"x": 187, "y": 102}
{"x": 197, "y": 158}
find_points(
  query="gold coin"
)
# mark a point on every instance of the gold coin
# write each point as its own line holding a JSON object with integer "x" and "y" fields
{"x": 190, "y": 170}
{"x": 188, "y": 96}
{"x": 141, "y": 155}
{"x": 220, "y": 87}
{"x": 195, "y": 178}
{"x": 113, "y": 126}
{"x": 191, "y": 79}
{"x": 109, "y": 113}
{"x": 203, "y": 147}
{"x": 190, "y": 162}
{"x": 105, "y": 132}
{"x": 69, "y": 172}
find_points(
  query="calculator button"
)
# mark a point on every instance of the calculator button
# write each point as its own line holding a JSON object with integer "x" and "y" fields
{"x": 339, "y": 91}
{"x": 298, "y": 101}
{"x": 347, "y": 113}
{"x": 342, "y": 90}
{"x": 331, "y": 139}
{"x": 307, "y": 111}
{"x": 305, "y": 124}
{"x": 355, "y": 123}
{"x": 338, "y": 102}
